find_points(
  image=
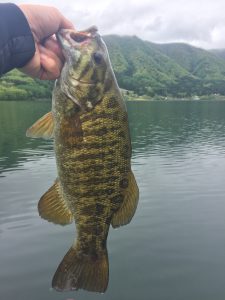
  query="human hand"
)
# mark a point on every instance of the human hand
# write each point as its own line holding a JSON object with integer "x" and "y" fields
{"x": 45, "y": 21}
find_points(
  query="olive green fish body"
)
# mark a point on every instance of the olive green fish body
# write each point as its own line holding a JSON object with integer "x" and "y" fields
{"x": 93, "y": 157}
{"x": 95, "y": 184}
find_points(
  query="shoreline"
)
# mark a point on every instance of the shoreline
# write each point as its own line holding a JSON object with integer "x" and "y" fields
{"x": 167, "y": 99}
{"x": 138, "y": 98}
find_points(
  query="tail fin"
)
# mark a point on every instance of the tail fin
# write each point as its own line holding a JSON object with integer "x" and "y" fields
{"x": 79, "y": 271}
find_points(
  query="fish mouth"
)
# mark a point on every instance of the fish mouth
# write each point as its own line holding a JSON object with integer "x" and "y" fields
{"x": 68, "y": 38}
{"x": 73, "y": 42}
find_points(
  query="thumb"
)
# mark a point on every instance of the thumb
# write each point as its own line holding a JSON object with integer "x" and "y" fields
{"x": 65, "y": 23}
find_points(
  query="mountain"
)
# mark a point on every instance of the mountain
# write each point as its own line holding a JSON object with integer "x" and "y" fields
{"x": 140, "y": 67}
{"x": 165, "y": 69}
{"x": 200, "y": 63}
{"x": 177, "y": 70}
{"x": 219, "y": 52}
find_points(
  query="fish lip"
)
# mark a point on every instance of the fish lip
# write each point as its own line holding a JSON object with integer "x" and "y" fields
{"x": 62, "y": 39}
{"x": 76, "y": 39}
{"x": 59, "y": 38}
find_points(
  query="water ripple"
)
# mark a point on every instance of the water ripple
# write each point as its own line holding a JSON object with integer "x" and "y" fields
{"x": 174, "y": 246}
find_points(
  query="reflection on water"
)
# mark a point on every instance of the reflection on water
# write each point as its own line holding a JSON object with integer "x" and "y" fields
{"x": 15, "y": 148}
{"x": 173, "y": 248}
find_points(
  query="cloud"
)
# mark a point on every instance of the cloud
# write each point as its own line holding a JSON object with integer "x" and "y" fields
{"x": 198, "y": 22}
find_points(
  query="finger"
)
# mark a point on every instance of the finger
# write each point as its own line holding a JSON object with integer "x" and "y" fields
{"x": 53, "y": 45}
{"x": 50, "y": 63}
{"x": 32, "y": 68}
{"x": 44, "y": 75}
{"x": 50, "y": 67}
{"x": 66, "y": 24}
{"x": 49, "y": 57}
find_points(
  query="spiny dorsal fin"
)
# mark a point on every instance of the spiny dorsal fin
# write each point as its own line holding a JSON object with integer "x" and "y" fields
{"x": 53, "y": 208}
{"x": 125, "y": 213}
{"x": 43, "y": 128}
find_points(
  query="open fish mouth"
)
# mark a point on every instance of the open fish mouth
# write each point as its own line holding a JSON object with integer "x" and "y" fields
{"x": 73, "y": 43}
{"x": 71, "y": 38}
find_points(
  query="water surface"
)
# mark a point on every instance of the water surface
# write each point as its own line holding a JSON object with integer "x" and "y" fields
{"x": 173, "y": 249}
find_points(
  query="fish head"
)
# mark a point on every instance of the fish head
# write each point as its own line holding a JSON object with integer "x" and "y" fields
{"x": 87, "y": 68}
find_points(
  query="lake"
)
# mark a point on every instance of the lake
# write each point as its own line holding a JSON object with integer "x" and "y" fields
{"x": 173, "y": 249}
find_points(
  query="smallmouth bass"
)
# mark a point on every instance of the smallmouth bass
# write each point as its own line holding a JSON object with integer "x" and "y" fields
{"x": 95, "y": 184}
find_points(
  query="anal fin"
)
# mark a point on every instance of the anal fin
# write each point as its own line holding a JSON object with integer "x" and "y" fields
{"x": 43, "y": 128}
{"x": 125, "y": 213}
{"x": 53, "y": 208}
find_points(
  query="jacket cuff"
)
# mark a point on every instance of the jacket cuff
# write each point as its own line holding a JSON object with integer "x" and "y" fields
{"x": 17, "y": 45}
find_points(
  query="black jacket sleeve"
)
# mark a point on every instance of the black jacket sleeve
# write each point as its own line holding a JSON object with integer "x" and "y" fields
{"x": 16, "y": 40}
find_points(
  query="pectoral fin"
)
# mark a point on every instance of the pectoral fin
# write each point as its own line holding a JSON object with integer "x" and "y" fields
{"x": 125, "y": 213}
{"x": 53, "y": 208}
{"x": 43, "y": 128}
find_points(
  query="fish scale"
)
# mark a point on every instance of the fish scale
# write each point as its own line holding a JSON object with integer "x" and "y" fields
{"x": 95, "y": 186}
{"x": 108, "y": 178}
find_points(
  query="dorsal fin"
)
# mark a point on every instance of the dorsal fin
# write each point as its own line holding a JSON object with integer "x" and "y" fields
{"x": 53, "y": 208}
{"x": 42, "y": 128}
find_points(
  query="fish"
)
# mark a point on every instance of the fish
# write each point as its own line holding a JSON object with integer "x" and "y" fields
{"x": 95, "y": 186}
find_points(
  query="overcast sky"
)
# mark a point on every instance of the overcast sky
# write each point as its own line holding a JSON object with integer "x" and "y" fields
{"x": 197, "y": 22}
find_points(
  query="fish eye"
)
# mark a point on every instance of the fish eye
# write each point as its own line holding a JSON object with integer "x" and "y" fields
{"x": 97, "y": 57}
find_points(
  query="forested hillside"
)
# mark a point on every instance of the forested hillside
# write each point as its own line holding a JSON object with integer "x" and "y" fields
{"x": 218, "y": 52}
{"x": 176, "y": 70}
{"x": 17, "y": 86}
